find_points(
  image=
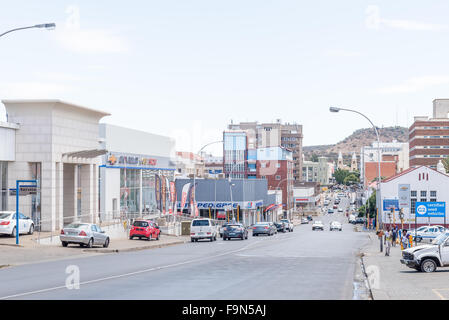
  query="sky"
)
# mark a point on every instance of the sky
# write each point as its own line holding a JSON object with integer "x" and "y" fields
{"x": 185, "y": 69}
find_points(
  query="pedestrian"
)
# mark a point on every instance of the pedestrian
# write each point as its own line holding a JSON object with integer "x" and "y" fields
{"x": 394, "y": 235}
{"x": 388, "y": 236}
{"x": 404, "y": 240}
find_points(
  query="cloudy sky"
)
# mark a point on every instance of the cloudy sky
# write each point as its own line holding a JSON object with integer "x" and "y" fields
{"x": 186, "y": 68}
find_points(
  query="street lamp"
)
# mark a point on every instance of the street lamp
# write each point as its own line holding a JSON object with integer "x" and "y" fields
{"x": 48, "y": 26}
{"x": 335, "y": 109}
{"x": 194, "y": 166}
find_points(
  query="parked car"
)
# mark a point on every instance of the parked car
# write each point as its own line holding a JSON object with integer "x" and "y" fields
{"x": 288, "y": 225}
{"x": 272, "y": 225}
{"x": 427, "y": 233}
{"x": 352, "y": 218}
{"x": 84, "y": 234}
{"x": 340, "y": 209}
{"x": 359, "y": 220}
{"x": 309, "y": 218}
{"x": 335, "y": 225}
{"x": 222, "y": 229}
{"x": 304, "y": 221}
{"x": 335, "y": 206}
{"x": 235, "y": 230}
{"x": 428, "y": 257}
{"x": 203, "y": 229}
{"x": 318, "y": 225}
{"x": 144, "y": 229}
{"x": 263, "y": 228}
{"x": 330, "y": 211}
{"x": 280, "y": 227}
{"x": 8, "y": 223}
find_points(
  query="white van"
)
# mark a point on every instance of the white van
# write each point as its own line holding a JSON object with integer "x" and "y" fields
{"x": 203, "y": 229}
{"x": 351, "y": 218}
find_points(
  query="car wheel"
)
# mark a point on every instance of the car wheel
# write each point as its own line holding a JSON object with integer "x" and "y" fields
{"x": 13, "y": 233}
{"x": 131, "y": 237}
{"x": 65, "y": 244}
{"x": 428, "y": 265}
{"x": 192, "y": 240}
{"x": 158, "y": 236}
{"x": 106, "y": 243}
{"x": 89, "y": 244}
{"x": 31, "y": 231}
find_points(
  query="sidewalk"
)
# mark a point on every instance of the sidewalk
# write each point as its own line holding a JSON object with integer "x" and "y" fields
{"x": 391, "y": 280}
{"x": 29, "y": 251}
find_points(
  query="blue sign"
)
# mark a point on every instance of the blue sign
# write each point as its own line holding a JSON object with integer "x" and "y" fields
{"x": 391, "y": 203}
{"x": 430, "y": 209}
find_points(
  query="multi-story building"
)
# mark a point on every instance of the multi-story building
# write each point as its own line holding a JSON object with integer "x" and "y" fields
{"x": 188, "y": 165}
{"x": 235, "y": 153}
{"x": 320, "y": 171}
{"x": 275, "y": 164}
{"x": 213, "y": 166}
{"x": 429, "y": 137}
{"x": 262, "y": 135}
{"x": 394, "y": 158}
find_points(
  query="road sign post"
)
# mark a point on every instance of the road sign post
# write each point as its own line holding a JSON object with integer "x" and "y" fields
{"x": 31, "y": 189}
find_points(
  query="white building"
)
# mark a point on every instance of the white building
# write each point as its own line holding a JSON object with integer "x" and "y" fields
{"x": 136, "y": 172}
{"x": 388, "y": 151}
{"x": 56, "y": 143}
{"x": 426, "y": 185}
{"x": 7, "y": 155}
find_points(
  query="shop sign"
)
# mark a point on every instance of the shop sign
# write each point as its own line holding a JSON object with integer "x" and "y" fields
{"x": 123, "y": 160}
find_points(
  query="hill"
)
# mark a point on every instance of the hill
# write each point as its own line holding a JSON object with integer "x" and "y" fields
{"x": 353, "y": 143}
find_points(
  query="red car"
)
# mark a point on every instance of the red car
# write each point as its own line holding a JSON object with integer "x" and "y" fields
{"x": 144, "y": 229}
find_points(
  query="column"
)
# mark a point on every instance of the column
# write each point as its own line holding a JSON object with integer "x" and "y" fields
{"x": 95, "y": 195}
{"x": 60, "y": 195}
{"x": 87, "y": 193}
{"x": 48, "y": 196}
{"x": 140, "y": 193}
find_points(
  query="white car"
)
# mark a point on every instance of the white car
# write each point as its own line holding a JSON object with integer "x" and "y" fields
{"x": 203, "y": 229}
{"x": 8, "y": 223}
{"x": 288, "y": 225}
{"x": 428, "y": 233}
{"x": 340, "y": 209}
{"x": 335, "y": 225}
{"x": 318, "y": 225}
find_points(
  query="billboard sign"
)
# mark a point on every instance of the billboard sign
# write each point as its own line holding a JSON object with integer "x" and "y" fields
{"x": 404, "y": 196}
{"x": 430, "y": 209}
{"x": 391, "y": 203}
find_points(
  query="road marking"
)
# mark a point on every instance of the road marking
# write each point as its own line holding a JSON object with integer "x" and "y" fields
{"x": 439, "y": 294}
{"x": 129, "y": 273}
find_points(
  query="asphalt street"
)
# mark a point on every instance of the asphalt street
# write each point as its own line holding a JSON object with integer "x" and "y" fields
{"x": 303, "y": 264}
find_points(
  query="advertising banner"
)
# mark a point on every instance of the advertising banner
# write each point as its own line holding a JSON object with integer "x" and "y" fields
{"x": 404, "y": 196}
{"x": 391, "y": 203}
{"x": 185, "y": 193}
{"x": 430, "y": 209}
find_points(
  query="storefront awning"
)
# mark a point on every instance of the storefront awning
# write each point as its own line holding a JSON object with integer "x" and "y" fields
{"x": 86, "y": 153}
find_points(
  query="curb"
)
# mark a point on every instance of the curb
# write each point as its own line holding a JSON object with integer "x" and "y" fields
{"x": 135, "y": 248}
{"x": 11, "y": 245}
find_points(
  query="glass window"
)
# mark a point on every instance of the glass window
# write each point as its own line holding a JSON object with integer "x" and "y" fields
{"x": 423, "y": 193}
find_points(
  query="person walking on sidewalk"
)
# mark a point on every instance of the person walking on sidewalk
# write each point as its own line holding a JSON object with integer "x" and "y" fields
{"x": 388, "y": 237}
{"x": 394, "y": 236}
{"x": 404, "y": 240}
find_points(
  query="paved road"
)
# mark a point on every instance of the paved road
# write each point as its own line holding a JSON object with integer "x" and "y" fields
{"x": 304, "y": 264}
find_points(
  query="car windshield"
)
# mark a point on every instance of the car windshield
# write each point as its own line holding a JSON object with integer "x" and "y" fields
{"x": 317, "y": 222}
{"x": 5, "y": 215}
{"x": 440, "y": 239}
{"x": 77, "y": 225}
{"x": 140, "y": 224}
{"x": 263, "y": 224}
{"x": 200, "y": 223}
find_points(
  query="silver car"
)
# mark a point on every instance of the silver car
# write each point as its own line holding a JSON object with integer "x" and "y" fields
{"x": 84, "y": 234}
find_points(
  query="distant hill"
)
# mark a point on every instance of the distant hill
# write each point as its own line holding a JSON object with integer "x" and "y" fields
{"x": 353, "y": 143}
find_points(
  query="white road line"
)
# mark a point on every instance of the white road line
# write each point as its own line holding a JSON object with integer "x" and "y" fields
{"x": 128, "y": 274}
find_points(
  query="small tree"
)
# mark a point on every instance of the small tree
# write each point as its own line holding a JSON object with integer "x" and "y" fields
{"x": 351, "y": 179}
{"x": 445, "y": 162}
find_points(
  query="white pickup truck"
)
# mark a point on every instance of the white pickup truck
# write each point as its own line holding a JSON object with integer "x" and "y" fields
{"x": 428, "y": 257}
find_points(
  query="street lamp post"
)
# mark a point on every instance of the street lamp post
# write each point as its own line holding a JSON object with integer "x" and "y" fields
{"x": 48, "y": 26}
{"x": 334, "y": 109}
{"x": 194, "y": 168}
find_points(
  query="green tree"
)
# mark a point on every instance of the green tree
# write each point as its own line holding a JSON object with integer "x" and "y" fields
{"x": 351, "y": 179}
{"x": 370, "y": 206}
{"x": 314, "y": 157}
{"x": 446, "y": 164}
{"x": 340, "y": 175}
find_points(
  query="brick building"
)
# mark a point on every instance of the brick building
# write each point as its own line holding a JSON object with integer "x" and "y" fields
{"x": 429, "y": 137}
{"x": 388, "y": 168}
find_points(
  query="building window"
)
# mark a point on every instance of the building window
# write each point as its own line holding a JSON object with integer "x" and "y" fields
{"x": 423, "y": 194}
{"x": 278, "y": 177}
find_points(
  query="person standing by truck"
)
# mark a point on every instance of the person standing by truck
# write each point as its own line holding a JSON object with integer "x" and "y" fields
{"x": 388, "y": 237}
{"x": 404, "y": 240}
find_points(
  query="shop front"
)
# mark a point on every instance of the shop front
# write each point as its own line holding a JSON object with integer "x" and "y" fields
{"x": 134, "y": 184}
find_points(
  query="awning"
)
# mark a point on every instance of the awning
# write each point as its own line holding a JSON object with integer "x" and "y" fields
{"x": 86, "y": 153}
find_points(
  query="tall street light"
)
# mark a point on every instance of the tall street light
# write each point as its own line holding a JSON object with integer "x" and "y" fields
{"x": 334, "y": 109}
{"x": 48, "y": 26}
{"x": 194, "y": 166}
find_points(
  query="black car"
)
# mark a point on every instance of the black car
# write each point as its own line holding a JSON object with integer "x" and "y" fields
{"x": 280, "y": 226}
{"x": 235, "y": 230}
{"x": 359, "y": 220}
{"x": 264, "y": 228}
